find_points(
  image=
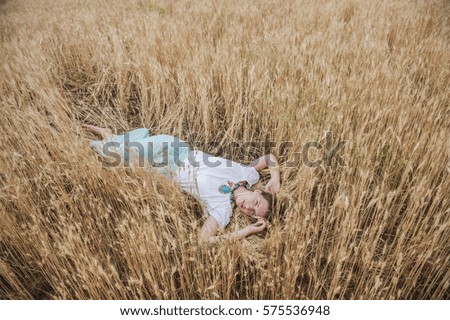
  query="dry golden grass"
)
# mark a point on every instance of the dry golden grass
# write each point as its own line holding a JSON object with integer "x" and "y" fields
{"x": 375, "y": 73}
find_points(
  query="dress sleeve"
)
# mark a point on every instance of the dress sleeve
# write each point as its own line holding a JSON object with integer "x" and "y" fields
{"x": 222, "y": 214}
{"x": 250, "y": 174}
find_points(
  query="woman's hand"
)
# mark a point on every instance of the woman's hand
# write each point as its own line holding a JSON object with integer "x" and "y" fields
{"x": 256, "y": 227}
{"x": 269, "y": 161}
{"x": 273, "y": 185}
{"x": 210, "y": 227}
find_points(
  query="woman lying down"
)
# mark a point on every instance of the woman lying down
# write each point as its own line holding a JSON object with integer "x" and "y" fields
{"x": 220, "y": 184}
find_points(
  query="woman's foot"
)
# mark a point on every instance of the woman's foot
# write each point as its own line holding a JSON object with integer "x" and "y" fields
{"x": 97, "y": 146}
{"x": 103, "y": 132}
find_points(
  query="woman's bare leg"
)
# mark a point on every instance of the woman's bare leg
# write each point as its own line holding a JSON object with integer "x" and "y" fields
{"x": 103, "y": 132}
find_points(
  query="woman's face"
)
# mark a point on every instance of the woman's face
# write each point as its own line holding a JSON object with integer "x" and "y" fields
{"x": 252, "y": 203}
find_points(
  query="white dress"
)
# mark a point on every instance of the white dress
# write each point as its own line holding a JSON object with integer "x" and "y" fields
{"x": 198, "y": 173}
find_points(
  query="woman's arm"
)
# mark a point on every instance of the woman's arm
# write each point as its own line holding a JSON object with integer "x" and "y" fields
{"x": 270, "y": 161}
{"x": 209, "y": 229}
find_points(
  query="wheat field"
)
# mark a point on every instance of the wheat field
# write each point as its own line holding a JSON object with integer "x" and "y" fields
{"x": 374, "y": 73}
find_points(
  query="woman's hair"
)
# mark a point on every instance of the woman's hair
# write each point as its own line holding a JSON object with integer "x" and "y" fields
{"x": 272, "y": 200}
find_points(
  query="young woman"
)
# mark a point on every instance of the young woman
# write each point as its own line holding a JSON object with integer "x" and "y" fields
{"x": 218, "y": 183}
